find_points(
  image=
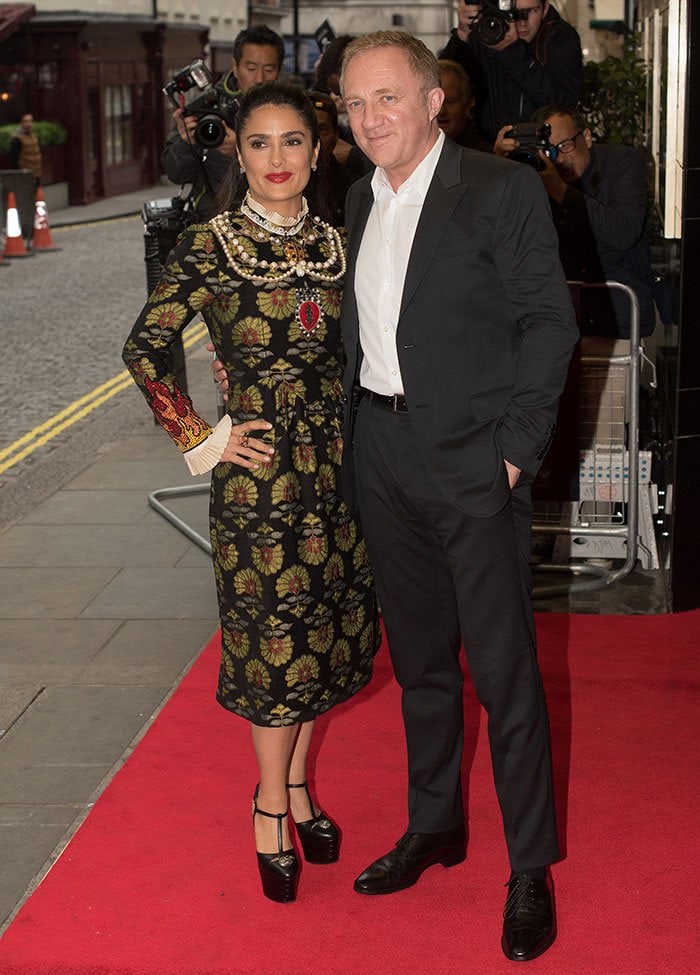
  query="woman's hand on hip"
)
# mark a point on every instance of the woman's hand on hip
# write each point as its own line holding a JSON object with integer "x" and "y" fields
{"x": 220, "y": 374}
{"x": 245, "y": 450}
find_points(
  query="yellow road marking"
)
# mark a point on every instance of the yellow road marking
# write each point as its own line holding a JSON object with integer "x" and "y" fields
{"x": 42, "y": 434}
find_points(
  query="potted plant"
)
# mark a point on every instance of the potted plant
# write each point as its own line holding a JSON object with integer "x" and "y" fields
{"x": 613, "y": 99}
{"x": 52, "y": 139}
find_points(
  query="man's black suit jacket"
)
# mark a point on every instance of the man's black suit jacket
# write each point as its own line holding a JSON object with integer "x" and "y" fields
{"x": 602, "y": 227}
{"x": 486, "y": 327}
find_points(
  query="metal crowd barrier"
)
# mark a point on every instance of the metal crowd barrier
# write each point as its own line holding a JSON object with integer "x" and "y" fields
{"x": 155, "y": 501}
{"x": 607, "y": 510}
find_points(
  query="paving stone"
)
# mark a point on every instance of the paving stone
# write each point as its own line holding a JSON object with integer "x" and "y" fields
{"x": 49, "y": 593}
{"x": 145, "y": 474}
{"x": 28, "y": 836}
{"x": 152, "y": 445}
{"x": 148, "y": 652}
{"x": 14, "y": 699}
{"x": 93, "y": 545}
{"x": 66, "y": 742}
{"x": 119, "y": 507}
{"x": 50, "y": 651}
{"x": 195, "y": 557}
{"x": 165, "y": 594}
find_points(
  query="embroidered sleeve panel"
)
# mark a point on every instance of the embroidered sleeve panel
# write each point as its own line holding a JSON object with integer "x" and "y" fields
{"x": 183, "y": 290}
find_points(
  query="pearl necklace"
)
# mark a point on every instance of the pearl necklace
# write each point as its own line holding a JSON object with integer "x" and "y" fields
{"x": 272, "y": 221}
{"x": 245, "y": 264}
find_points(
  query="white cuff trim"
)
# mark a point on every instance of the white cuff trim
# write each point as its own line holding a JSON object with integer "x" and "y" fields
{"x": 206, "y": 455}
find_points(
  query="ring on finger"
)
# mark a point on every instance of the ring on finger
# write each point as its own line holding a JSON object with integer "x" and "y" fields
{"x": 243, "y": 440}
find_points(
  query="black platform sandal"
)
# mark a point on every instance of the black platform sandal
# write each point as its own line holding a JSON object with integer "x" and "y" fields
{"x": 279, "y": 871}
{"x": 319, "y": 836}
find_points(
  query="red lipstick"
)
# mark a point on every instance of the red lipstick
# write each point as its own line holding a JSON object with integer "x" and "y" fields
{"x": 278, "y": 177}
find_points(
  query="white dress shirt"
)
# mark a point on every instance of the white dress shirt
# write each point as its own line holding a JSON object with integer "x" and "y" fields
{"x": 381, "y": 270}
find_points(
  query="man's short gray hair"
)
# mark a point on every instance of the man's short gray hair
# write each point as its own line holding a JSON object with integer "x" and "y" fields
{"x": 422, "y": 61}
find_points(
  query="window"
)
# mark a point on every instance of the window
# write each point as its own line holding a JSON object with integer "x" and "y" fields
{"x": 119, "y": 124}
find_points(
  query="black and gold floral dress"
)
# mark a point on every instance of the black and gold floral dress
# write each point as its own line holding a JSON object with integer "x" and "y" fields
{"x": 296, "y": 598}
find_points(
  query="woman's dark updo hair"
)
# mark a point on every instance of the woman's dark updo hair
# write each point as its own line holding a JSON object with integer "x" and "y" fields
{"x": 235, "y": 184}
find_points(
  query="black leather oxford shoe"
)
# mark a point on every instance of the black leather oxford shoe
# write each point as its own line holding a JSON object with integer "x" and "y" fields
{"x": 529, "y": 920}
{"x": 413, "y": 853}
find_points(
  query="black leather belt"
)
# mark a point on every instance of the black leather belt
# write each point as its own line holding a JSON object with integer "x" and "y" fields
{"x": 396, "y": 403}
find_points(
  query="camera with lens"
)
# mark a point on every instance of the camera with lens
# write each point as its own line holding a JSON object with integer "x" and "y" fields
{"x": 213, "y": 109}
{"x": 532, "y": 139}
{"x": 493, "y": 21}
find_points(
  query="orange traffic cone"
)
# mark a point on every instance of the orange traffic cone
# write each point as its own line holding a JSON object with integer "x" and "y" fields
{"x": 14, "y": 242}
{"x": 42, "y": 235}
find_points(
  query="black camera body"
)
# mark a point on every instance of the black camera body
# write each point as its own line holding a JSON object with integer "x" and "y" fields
{"x": 214, "y": 109}
{"x": 213, "y": 119}
{"x": 532, "y": 139}
{"x": 493, "y": 21}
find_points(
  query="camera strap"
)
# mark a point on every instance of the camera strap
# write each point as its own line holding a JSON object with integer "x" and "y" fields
{"x": 201, "y": 159}
{"x": 542, "y": 39}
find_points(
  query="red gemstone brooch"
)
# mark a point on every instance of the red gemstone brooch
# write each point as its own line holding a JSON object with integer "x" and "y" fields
{"x": 309, "y": 314}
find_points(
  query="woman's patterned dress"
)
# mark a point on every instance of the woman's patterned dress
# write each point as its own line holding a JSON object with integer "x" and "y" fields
{"x": 296, "y": 599}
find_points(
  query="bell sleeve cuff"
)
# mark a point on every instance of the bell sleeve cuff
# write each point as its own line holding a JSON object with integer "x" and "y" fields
{"x": 206, "y": 455}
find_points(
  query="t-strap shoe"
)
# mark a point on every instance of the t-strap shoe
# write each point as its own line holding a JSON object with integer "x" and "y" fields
{"x": 319, "y": 836}
{"x": 279, "y": 871}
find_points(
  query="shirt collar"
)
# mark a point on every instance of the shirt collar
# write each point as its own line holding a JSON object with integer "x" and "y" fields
{"x": 418, "y": 182}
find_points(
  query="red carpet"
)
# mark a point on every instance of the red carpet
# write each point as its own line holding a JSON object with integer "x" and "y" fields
{"x": 161, "y": 878}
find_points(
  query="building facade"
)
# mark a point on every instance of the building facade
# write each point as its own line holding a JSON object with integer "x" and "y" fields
{"x": 99, "y": 69}
{"x": 431, "y": 20}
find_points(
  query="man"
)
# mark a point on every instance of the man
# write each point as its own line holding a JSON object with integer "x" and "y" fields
{"x": 341, "y": 176}
{"x": 257, "y": 56}
{"x": 329, "y": 64}
{"x": 455, "y": 118}
{"x": 458, "y": 330}
{"x": 538, "y": 62}
{"x": 25, "y": 151}
{"x": 328, "y": 80}
{"x": 598, "y": 194}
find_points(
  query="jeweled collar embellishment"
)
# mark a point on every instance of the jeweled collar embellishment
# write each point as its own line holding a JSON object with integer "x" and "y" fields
{"x": 296, "y": 262}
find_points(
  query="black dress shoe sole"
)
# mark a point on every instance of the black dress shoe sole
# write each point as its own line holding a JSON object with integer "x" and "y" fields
{"x": 322, "y": 856}
{"x": 533, "y": 954}
{"x": 448, "y": 860}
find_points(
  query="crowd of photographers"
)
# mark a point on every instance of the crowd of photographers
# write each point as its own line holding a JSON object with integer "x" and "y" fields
{"x": 525, "y": 64}
{"x": 512, "y": 72}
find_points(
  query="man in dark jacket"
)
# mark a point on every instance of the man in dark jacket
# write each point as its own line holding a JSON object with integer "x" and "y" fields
{"x": 25, "y": 151}
{"x": 538, "y": 62}
{"x": 456, "y": 118}
{"x": 598, "y": 195}
{"x": 340, "y": 176}
{"x": 257, "y": 56}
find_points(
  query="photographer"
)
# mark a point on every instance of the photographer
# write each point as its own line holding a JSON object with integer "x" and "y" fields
{"x": 456, "y": 117}
{"x": 598, "y": 196}
{"x": 538, "y": 61}
{"x": 258, "y": 53}
{"x": 340, "y": 176}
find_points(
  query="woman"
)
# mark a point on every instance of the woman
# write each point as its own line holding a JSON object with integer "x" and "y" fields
{"x": 298, "y": 617}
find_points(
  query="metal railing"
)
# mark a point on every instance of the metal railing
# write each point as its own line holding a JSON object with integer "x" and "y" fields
{"x": 623, "y": 515}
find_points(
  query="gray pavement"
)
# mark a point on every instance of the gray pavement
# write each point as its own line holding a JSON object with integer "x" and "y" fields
{"x": 104, "y": 606}
{"x": 115, "y": 206}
